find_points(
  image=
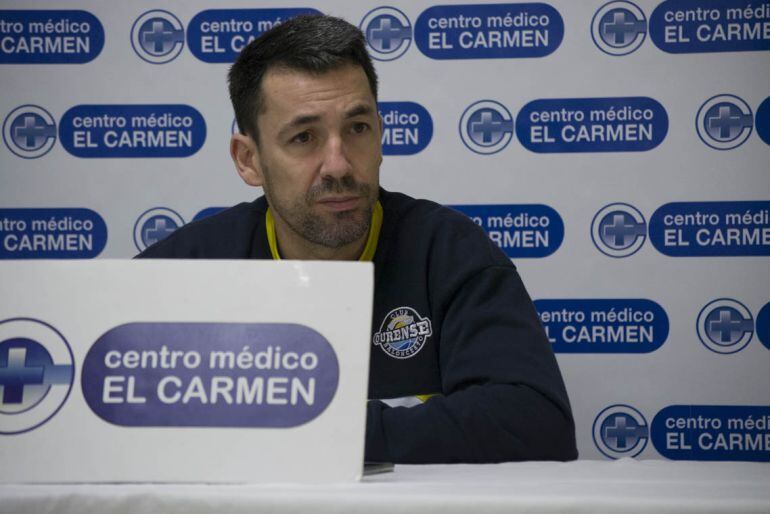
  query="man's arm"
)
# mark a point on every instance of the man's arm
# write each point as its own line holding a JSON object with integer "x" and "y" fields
{"x": 503, "y": 396}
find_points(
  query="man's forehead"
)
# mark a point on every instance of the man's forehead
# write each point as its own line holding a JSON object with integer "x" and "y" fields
{"x": 289, "y": 88}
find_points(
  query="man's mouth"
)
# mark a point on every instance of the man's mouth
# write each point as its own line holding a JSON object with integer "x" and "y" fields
{"x": 340, "y": 203}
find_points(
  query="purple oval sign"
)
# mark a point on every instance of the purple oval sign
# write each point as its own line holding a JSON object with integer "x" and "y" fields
{"x": 273, "y": 375}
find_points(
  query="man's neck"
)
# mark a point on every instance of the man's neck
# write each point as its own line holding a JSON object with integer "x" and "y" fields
{"x": 292, "y": 246}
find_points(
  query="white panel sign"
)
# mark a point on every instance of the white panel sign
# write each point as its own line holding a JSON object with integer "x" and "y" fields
{"x": 176, "y": 371}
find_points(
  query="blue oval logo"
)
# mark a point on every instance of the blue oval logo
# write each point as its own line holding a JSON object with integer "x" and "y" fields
{"x": 120, "y": 131}
{"x": 519, "y": 230}
{"x": 489, "y": 31}
{"x": 210, "y": 375}
{"x": 705, "y": 229}
{"x": 49, "y": 37}
{"x": 407, "y": 128}
{"x": 697, "y": 26}
{"x": 762, "y": 120}
{"x": 208, "y": 211}
{"x": 603, "y": 326}
{"x": 219, "y": 35}
{"x": 633, "y": 124}
{"x": 713, "y": 432}
{"x": 763, "y": 325}
{"x": 51, "y": 234}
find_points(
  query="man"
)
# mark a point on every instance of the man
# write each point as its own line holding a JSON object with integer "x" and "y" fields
{"x": 455, "y": 335}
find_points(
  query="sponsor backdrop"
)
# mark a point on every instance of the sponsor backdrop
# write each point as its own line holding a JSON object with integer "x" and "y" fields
{"x": 618, "y": 152}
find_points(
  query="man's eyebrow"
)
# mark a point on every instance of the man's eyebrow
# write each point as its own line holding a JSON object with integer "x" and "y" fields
{"x": 358, "y": 110}
{"x": 302, "y": 119}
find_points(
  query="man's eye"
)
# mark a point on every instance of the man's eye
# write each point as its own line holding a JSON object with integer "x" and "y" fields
{"x": 302, "y": 137}
{"x": 360, "y": 128}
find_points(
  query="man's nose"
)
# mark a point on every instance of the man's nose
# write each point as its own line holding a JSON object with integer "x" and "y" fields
{"x": 335, "y": 159}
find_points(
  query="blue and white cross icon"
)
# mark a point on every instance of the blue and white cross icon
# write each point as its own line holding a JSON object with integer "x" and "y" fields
{"x": 157, "y": 36}
{"x": 725, "y": 326}
{"x": 36, "y": 373}
{"x": 29, "y": 131}
{"x": 154, "y": 225}
{"x": 620, "y": 431}
{"x": 486, "y": 127}
{"x": 619, "y": 28}
{"x": 724, "y": 122}
{"x": 388, "y": 33}
{"x": 618, "y": 230}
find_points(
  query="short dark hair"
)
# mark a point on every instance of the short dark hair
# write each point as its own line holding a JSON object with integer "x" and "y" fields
{"x": 312, "y": 43}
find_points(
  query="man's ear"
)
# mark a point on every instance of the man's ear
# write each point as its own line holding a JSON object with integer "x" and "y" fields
{"x": 245, "y": 155}
{"x": 382, "y": 125}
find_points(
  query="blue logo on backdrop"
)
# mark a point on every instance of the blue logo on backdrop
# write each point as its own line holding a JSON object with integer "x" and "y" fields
{"x": 388, "y": 33}
{"x": 155, "y": 225}
{"x": 210, "y": 375}
{"x": 724, "y": 122}
{"x": 763, "y": 325}
{"x": 603, "y": 326}
{"x": 36, "y": 373}
{"x": 618, "y": 230}
{"x": 29, "y": 131}
{"x": 725, "y": 326}
{"x": 491, "y": 31}
{"x": 763, "y": 120}
{"x": 620, "y": 431}
{"x": 713, "y": 432}
{"x": 701, "y": 229}
{"x": 695, "y": 26}
{"x": 49, "y": 37}
{"x": 219, "y": 35}
{"x": 486, "y": 127}
{"x": 157, "y": 36}
{"x": 115, "y": 131}
{"x": 519, "y": 230}
{"x": 634, "y": 124}
{"x": 619, "y": 28}
{"x": 408, "y": 128}
{"x": 208, "y": 211}
{"x": 51, "y": 234}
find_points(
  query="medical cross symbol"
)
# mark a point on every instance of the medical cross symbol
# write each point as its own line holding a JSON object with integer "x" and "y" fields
{"x": 727, "y": 123}
{"x": 32, "y": 135}
{"x": 490, "y": 125}
{"x": 728, "y": 328}
{"x": 623, "y": 23}
{"x": 162, "y": 36}
{"x": 624, "y": 433}
{"x": 21, "y": 371}
{"x": 17, "y": 374}
{"x": 157, "y": 228}
{"x": 623, "y": 231}
{"x": 385, "y": 33}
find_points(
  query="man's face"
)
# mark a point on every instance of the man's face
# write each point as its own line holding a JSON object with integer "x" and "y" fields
{"x": 319, "y": 152}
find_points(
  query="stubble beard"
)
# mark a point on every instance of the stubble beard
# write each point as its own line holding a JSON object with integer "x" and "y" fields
{"x": 332, "y": 229}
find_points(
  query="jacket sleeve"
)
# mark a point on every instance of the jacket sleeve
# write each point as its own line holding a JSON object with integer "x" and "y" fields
{"x": 503, "y": 395}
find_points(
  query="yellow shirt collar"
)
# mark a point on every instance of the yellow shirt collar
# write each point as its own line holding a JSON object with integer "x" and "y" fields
{"x": 371, "y": 241}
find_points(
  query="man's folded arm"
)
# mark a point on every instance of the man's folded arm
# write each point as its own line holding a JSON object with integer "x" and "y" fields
{"x": 503, "y": 396}
{"x": 483, "y": 423}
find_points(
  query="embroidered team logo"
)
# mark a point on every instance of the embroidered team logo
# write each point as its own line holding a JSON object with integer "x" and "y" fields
{"x": 403, "y": 333}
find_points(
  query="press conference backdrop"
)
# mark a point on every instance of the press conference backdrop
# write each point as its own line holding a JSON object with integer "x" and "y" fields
{"x": 618, "y": 152}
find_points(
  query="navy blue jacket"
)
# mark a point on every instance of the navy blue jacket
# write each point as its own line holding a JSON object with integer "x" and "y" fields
{"x": 451, "y": 319}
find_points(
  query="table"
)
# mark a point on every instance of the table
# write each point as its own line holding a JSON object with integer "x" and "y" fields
{"x": 624, "y": 486}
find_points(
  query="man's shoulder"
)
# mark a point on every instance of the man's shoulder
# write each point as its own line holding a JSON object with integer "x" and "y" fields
{"x": 427, "y": 216}
{"x": 437, "y": 229}
{"x": 228, "y": 234}
{"x": 404, "y": 208}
